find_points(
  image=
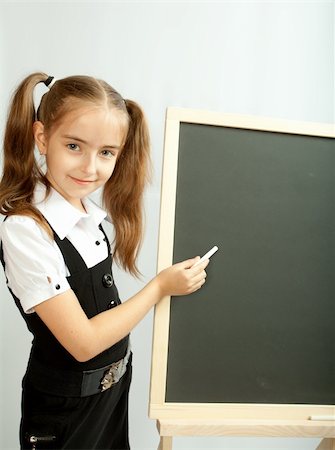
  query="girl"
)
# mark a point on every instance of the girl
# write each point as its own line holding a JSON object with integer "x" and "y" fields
{"x": 57, "y": 257}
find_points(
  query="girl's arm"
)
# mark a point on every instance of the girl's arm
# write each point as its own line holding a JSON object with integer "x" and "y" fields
{"x": 85, "y": 338}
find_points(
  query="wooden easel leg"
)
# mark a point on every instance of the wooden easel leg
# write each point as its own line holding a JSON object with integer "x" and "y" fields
{"x": 165, "y": 443}
{"x": 327, "y": 444}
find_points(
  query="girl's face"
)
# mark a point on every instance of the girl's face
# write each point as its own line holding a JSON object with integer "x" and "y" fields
{"x": 81, "y": 151}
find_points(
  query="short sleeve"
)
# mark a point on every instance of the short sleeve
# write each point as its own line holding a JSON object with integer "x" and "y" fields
{"x": 34, "y": 265}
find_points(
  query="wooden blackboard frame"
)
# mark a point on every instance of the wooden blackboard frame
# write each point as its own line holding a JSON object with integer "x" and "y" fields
{"x": 213, "y": 418}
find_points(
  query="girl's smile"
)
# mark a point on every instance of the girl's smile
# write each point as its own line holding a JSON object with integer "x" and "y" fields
{"x": 84, "y": 182}
{"x": 81, "y": 151}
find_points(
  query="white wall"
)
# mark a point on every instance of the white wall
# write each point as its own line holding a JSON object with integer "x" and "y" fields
{"x": 267, "y": 58}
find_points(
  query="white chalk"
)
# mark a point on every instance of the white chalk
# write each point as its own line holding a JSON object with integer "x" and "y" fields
{"x": 322, "y": 418}
{"x": 207, "y": 255}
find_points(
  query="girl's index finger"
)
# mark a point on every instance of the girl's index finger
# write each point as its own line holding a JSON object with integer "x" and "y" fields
{"x": 199, "y": 268}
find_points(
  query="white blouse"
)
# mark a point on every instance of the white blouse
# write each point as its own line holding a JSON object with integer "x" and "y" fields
{"x": 34, "y": 263}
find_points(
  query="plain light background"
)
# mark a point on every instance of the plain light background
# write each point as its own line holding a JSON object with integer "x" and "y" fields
{"x": 269, "y": 58}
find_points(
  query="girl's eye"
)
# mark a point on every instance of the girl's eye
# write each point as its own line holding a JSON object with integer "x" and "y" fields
{"x": 107, "y": 153}
{"x": 73, "y": 147}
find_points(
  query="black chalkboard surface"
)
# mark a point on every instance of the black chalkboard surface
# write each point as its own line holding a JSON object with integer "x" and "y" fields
{"x": 261, "y": 330}
{"x": 257, "y": 341}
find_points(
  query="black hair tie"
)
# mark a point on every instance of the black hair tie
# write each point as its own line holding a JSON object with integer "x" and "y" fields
{"x": 48, "y": 81}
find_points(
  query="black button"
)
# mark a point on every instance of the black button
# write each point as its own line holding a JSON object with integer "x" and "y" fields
{"x": 97, "y": 243}
{"x": 107, "y": 280}
{"x": 57, "y": 287}
{"x": 111, "y": 304}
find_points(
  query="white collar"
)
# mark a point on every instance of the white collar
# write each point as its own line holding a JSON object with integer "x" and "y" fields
{"x": 61, "y": 215}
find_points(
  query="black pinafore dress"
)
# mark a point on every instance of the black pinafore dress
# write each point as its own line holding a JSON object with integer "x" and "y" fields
{"x": 63, "y": 405}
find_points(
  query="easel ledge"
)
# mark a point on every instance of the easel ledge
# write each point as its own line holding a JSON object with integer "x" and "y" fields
{"x": 168, "y": 428}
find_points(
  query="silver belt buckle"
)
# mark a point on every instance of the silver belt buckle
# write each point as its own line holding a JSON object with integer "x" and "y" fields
{"x": 110, "y": 376}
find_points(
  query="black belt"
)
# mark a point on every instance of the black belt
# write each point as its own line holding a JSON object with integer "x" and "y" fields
{"x": 76, "y": 384}
{"x": 99, "y": 380}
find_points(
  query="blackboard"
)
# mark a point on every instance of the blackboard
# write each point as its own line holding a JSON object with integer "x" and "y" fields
{"x": 261, "y": 330}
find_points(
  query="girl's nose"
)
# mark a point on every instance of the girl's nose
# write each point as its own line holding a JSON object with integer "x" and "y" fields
{"x": 88, "y": 165}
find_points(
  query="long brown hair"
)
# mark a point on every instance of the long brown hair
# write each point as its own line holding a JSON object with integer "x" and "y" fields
{"x": 123, "y": 192}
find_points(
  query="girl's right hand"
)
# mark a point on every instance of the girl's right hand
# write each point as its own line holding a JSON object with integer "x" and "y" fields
{"x": 182, "y": 278}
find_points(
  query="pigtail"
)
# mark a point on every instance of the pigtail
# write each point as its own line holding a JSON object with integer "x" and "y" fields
{"x": 20, "y": 171}
{"x": 123, "y": 193}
